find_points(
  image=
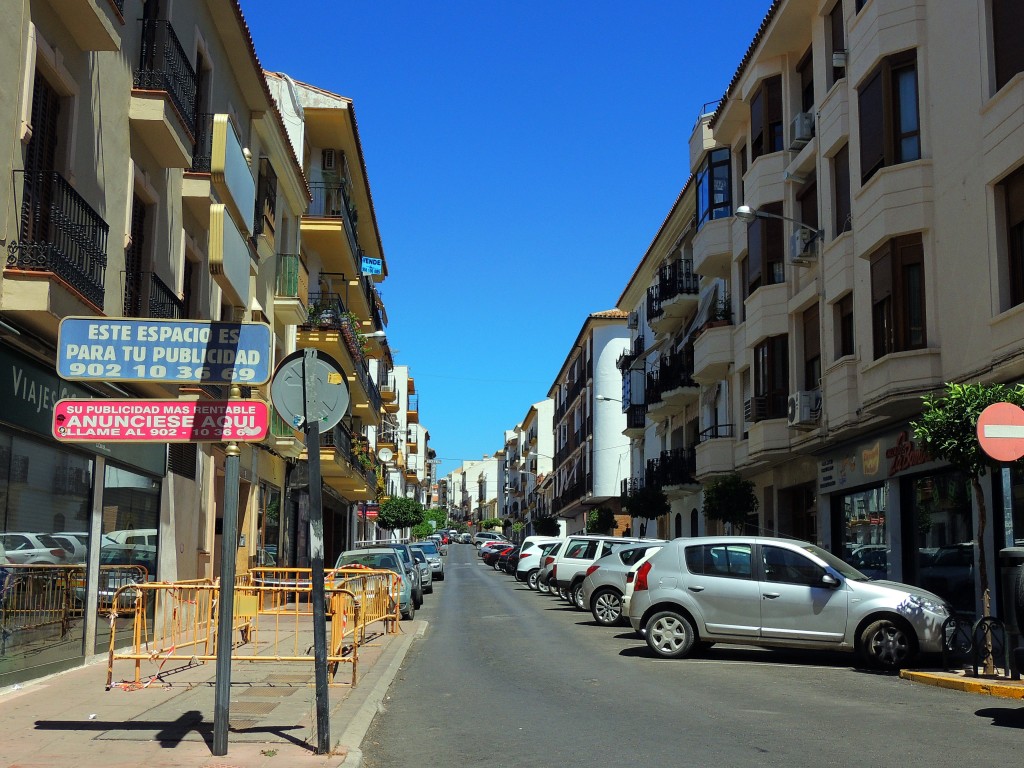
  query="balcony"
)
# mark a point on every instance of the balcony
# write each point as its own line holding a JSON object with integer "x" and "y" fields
{"x": 282, "y": 438}
{"x": 767, "y": 425}
{"x": 712, "y": 248}
{"x": 657, "y": 408}
{"x": 57, "y": 267}
{"x": 412, "y": 415}
{"x": 898, "y": 198}
{"x": 163, "y": 302}
{"x": 90, "y": 22}
{"x": 677, "y": 292}
{"x": 766, "y": 313}
{"x": 714, "y": 454}
{"x": 343, "y": 469}
{"x": 291, "y": 290}
{"x": 327, "y": 227}
{"x": 677, "y": 384}
{"x": 712, "y": 351}
{"x": 412, "y": 441}
{"x": 834, "y": 119}
{"x": 674, "y": 471}
{"x": 163, "y": 102}
{"x": 387, "y": 438}
{"x": 636, "y": 420}
{"x": 893, "y": 385}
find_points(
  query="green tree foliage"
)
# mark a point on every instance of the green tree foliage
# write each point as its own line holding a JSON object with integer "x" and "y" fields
{"x": 399, "y": 512}
{"x": 948, "y": 430}
{"x": 730, "y": 499}
{"x": 439, "y": 515}
{"x": 648, "y": 502}
{"x": 545, "y": 526}
{"x": 601, "y": 520}
{"x": 491, "y": 522}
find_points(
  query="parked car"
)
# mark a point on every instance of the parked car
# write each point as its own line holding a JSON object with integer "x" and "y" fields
{"x": 547, "y": 560}
{"x": 487, "y": 546}
{"x": 433, "y": 555}
{"x": 465, "y": 538}
{"x": 23, "y": 548}
{"x": 529, "y": 557}
{"x": 387, "y": 559}
{"x": 483, "y": 536}
{"x": 130, "y": 537}
{"x": 491, "y": 555}
{"x": 509, "y": 555}
{"x": 605, "y": 582}
{"x": 576, "y": 554}
{"x": 75, "y": 542}
{"x": 405, "y": 552}
{"x": 779, "y": 593}
{"x": 426, "y": 574}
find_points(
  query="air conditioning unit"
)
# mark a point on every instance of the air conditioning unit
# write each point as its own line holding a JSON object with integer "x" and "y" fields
{"x": 804, "y": 409}
{"x": 802, "y": 130}
{"x": 802, "y": 246}
{"x": 329, "y": 160}
{"x": 634, "y": 321}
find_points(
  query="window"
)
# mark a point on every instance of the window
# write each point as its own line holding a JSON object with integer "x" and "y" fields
{"x": 805, "y": 69}
{"x": 1007, "y": 33}
{"x": 741, "y": 166}
{"x": 714, "y": 199}
{"x": 897, "y": 296}
{"x": 835, "y": 37}
{"x": 1013, "y": 192}
{"x": 844, "y": 326}
{"x": 788, "y": 567}
{"x": 730, "y": 560}
{"x": 771, "y": 379}
{"x": 807, "y": 201}
{"x": 766, "y": 118}
{"x": 812, "y": 348}
{"x": 765, "y": 250}
{"x": 841, "y": 191}
{"x": 890, "y": 131}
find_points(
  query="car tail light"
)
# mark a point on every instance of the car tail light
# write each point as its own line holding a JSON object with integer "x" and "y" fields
{"x": 549, "y": 560}
{"x": 592, "y": 568}
{"x": 629, "y": 577}
{"x": 641, "y": 577}
{"x": 59, "y": 552}
{"x": 554, "y": 571}
{"x": 524, "y": 555}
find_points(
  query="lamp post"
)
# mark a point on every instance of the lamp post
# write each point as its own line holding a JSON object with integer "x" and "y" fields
{"x": 746, "y": 213}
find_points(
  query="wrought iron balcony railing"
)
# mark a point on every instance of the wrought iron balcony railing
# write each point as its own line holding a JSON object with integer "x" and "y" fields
{"x": 163, "y": 66}
{"x": 202, "y": 152}
{"x": 60, "y": 233}
{"x": 163, "y": 302}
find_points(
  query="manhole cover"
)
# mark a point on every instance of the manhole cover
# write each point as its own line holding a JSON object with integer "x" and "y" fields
{"x": 251, "y": 708}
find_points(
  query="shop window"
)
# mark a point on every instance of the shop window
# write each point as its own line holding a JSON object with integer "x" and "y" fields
{"x": 1007, "y": 33}
{"x": 890, "y": 131}
{"x": 859, "y": 521}
{"x": 939, "y": 522}
{"x": 766, "y": 118}
{"x": 897, "y": 296}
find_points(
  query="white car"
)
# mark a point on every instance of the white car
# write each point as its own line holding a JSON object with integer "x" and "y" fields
{"x": 33, "y": 549}
{"x": 75, "y": 542}
{"x": 529, "y": 558}
{"x": 483, "y": 536}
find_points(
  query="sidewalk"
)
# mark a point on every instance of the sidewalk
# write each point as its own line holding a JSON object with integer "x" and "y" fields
{"x": 70, "y": 720}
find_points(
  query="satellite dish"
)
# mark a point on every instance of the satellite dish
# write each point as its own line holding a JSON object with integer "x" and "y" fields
{"x": 385, "y": 454}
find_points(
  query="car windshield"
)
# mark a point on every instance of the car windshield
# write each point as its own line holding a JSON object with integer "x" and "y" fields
{"x": 847, "y": 570}
{"x": 427, "y": 547}
{"x": 380, "y": 560}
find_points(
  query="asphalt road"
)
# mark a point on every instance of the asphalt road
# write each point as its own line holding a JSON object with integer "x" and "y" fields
{"x": 508, "y": 677}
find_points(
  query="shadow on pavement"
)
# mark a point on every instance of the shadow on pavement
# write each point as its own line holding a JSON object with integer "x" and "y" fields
{"x": 1004, "y": 717}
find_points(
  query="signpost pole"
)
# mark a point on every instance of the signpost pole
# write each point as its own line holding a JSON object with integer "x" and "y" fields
{"x": 316, "y": 557}
{"x": 229, "y": 548}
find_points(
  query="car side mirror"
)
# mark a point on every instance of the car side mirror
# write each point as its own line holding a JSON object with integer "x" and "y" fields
{"x": 830, "y": 581}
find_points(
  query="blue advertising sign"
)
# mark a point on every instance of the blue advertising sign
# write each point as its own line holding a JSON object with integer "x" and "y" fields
{"x": 169, "y": 351}
{"x": 372, "y": 266}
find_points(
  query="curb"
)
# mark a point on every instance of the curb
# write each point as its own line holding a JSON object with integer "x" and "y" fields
{"x": 985, "y": 687}
{"x": 359, "y": 724}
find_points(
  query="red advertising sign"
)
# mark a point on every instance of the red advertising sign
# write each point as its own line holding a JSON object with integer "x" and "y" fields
{"x": 160, "y": 421}
{"x": 1001, "y": 431}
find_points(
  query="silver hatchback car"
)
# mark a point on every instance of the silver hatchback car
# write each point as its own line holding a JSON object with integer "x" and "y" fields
{"x": 780, "y": 593}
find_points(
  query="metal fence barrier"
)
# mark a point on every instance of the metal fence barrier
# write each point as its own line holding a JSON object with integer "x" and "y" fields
{"x": 272, "y": 614}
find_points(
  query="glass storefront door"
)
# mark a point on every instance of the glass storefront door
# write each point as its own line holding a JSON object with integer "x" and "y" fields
{"x": 864, "y": 536}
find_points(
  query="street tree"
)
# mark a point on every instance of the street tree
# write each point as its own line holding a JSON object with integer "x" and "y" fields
{"x": 947, "y": 430}
{"x": 545, "y": 526}
{"x": 399, "y": 512}
{"x": 730, "y": 499}
{"x": 601, "y": 520}
{"x": 648, "y": 502}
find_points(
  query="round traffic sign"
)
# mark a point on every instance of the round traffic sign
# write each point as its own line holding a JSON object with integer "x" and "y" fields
{"x": 329, "y": 390}
{"x": 1001, "y": 431}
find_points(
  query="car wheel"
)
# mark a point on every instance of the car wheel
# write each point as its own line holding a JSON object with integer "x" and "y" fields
{"x": 411, "y": 613}
{"x": 576, "y": 596}
{"x": 563, "y": 593}
{"x": 417, "y": 599}
{"x": 430, "y": 590}
{"x": 887, "y": 644}
{"x": 531, "y": 579}
{"x": 606, "y": 605}
{"x": 542, "y": 586}
{"x": 670, "y": 635}
{"x": 440, "y": 576}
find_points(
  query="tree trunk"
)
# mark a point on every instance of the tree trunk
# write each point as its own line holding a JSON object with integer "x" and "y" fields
{"x": 986, "y": 597}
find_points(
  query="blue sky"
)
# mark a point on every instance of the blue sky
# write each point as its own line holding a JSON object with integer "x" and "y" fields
{"x": 521, "y": 158}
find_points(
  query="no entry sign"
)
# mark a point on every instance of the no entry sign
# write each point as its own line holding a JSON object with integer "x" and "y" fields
{"x": 1001, "y": 431}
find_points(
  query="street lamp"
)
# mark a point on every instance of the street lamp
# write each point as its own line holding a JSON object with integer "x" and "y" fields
{"x": 746, "y": 213}
{"x": 607, "y": 399}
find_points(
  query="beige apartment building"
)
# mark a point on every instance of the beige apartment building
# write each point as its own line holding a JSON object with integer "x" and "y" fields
{"x": 857, "y": 233}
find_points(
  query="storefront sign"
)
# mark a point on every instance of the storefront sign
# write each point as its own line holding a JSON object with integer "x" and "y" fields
{"x": 872, "y": 461}
{"x": 161, "y": 421}
{"x": 173, "y": 351}
{"x": 29, "y": 392}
